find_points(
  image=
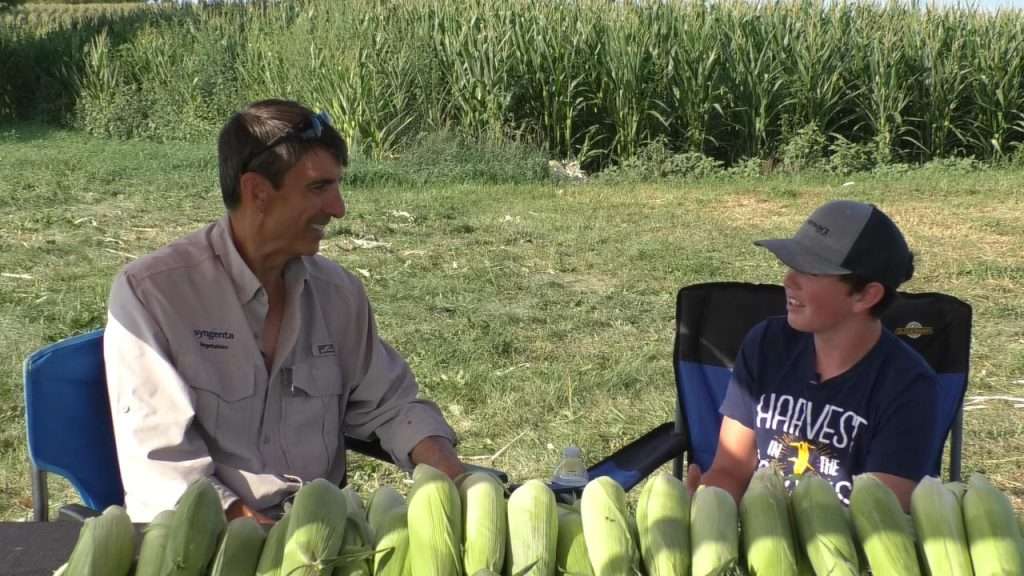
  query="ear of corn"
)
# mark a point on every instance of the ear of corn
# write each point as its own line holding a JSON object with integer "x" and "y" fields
{"x": 957, "y": 489}
{"x": 714, "y": 538}
{"x": 105, "y": 546}
{"x": 392, "y": 542}
{"x": 824, "y": 527}
{"x": 533, "y": 529}
{"x": 767, "y": 534}
{"x": 357, "y": 512}
{"x": 383, "y": 500}
{"x": 273, "y": 548}
{"x": 154, "y": 542}
{"x": 355, "y": 555}
{"x": 993, "y": 535}
{"x": 882, "y": 528}
{"x": 239, "y": 550}
{"x": 485, "y": 521}
{"x": 571, "y": 552}
{"x": 195, "y": 531}
{"x": 663, "y": 525}
{"x": 435, "y": 524}
{"x": 606, "y": 528}
{"x": 939, "y": 523}
{"x": 316, "y": 529}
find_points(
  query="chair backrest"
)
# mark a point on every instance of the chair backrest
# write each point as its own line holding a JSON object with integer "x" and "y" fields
{"x": 713, "y": 318}
{"x": 67, "y": 413}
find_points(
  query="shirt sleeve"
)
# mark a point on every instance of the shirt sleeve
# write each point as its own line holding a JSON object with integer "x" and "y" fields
{"x": 905, "y": 443}
{"x": 159, "y": 451}
{"x": 739, "y": 399}
{"x": 383, "y": 401}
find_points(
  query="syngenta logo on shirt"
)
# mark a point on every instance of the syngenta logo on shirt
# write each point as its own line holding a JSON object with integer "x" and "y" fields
{"x": 214, "y": 339}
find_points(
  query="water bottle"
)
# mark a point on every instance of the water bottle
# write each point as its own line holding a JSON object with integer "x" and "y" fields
{"x": 571, "y": 471}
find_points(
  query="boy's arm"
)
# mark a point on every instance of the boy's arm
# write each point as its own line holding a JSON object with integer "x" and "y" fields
{"x": 735, "y": 461}
{"x": 902, "y": 487}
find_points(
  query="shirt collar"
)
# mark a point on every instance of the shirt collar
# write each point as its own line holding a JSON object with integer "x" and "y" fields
{"x": 242, "y": 278}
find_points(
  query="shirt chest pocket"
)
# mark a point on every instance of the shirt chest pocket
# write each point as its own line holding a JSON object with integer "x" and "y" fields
{"x": 311, "y": 415}
{"x": 228, "y": 410}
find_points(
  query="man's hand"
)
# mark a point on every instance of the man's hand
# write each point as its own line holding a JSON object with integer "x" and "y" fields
{"x": 437, "y": 451}
{"x": 238, "y": 509}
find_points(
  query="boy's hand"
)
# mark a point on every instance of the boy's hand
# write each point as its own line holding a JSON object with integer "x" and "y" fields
{"x": 693, "y": 475}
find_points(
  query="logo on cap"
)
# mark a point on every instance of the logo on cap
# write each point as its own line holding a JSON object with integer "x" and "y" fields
{"x": 819, "y": 228}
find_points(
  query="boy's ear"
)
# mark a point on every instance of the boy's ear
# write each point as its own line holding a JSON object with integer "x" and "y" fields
{"x": 871, "y": 294}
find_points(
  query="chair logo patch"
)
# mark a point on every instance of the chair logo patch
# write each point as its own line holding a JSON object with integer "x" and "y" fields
{"x": 915, "y": 330}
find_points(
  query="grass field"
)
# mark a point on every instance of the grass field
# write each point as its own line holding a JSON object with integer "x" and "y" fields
{"x": 534, "y": 314}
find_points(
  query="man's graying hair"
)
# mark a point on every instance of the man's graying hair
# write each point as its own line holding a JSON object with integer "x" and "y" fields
{"x": 251, "y": 129}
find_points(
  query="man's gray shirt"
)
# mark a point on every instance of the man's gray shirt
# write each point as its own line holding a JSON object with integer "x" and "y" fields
{"x": 191, "y": 395}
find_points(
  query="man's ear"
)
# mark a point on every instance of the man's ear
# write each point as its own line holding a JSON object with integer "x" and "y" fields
{"x": 871, "y": 294}
{"x": 254, "y": 190}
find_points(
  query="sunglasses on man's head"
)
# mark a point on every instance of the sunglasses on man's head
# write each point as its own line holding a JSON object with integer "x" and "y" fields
{"x": 312, "y": 129}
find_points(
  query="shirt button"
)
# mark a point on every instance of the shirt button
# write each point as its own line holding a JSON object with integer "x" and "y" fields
{"x": 125, "y": 409}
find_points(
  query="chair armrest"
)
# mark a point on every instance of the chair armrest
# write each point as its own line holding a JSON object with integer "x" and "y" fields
{"x": 371, "y": 449}
{"x": 76, "y": 513}
{"x": 501, "y": 476}
{"x": 635, "y": 461}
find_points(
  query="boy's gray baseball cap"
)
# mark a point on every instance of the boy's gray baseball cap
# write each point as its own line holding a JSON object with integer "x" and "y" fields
{"x": 846, "y": 237}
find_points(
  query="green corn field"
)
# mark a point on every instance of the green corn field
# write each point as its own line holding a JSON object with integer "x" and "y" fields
{"x": 590, "y": 80}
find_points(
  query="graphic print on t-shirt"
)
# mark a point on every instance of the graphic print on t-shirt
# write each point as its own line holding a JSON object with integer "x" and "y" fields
{"x": 801, "y": 438}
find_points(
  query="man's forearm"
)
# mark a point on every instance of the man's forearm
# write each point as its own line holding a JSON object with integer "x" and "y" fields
{"x": 437, "y": 451}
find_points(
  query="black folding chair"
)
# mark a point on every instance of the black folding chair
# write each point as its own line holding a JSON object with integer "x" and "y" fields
{"x": 711, "y": 321}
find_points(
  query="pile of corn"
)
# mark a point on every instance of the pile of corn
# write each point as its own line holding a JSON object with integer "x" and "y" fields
{"x": 468, "y": 527}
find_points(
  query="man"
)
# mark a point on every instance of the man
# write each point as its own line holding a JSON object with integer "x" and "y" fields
{"x": 827, "y": 390}
{"x": 238, "y": 354}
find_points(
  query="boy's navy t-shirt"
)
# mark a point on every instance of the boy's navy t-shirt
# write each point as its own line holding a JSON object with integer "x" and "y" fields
{"x": 878, "y": 416}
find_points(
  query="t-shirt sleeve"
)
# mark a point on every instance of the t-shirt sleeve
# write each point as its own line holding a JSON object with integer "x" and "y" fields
{"x": 739, "y": 395}
{"x": 906, "y": 442}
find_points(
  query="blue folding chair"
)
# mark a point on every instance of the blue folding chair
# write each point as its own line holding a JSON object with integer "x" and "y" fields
{"x": 70, "y": 433}
{"x": 711, "y": 321}
{"x": 69, "y": 427}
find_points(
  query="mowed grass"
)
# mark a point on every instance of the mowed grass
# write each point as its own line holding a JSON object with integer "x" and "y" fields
{"x": 535, "y": 315}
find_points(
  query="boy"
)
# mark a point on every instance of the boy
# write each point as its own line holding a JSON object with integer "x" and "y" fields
{"x": 827, "y": 390}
